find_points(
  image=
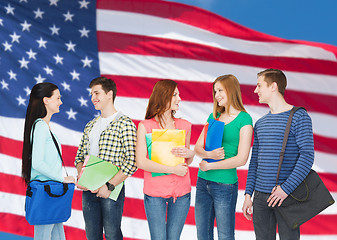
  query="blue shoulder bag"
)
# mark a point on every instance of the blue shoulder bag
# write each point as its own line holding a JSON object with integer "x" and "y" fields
{"x": 48, "y": 202}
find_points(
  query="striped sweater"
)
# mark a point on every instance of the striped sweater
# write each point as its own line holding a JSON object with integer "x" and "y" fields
{"x": 268, "y": 138}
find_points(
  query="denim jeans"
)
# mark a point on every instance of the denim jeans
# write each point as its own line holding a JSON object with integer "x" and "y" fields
{"x": 168, "y": 227}
{"x": 215, "y": 201}
{"x": 265, "y": 219}
{"x": 49, "y": 232}
{"x": 101, "y": 213}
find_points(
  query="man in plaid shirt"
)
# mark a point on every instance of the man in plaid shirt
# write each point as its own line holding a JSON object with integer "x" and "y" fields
{"x": 111, "y": 137}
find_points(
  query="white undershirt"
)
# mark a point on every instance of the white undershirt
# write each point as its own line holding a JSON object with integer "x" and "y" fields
{"x": 95, "y": 133}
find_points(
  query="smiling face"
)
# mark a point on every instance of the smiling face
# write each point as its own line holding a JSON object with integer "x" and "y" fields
{"x": 99, "y": 98}
{"x": 263, "y": 90}
{"x": 220, "y": 94}
{"x": 53, "y": 103}
{"x": 175, "y": 100}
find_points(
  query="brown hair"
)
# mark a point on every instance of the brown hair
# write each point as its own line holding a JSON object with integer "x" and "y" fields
{"x": 275, "y": 75}
{"x": 232, "y": 88}
{"x": 160, "y": 98}
{"x": 107, "y": 85}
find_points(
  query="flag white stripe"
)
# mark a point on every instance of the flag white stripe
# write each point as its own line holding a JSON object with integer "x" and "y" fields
{"x": 198, "y": 112}
{"x": 205, "y": 71}
{"x": 195, "y": 112}
{"x": 142, "y": 24}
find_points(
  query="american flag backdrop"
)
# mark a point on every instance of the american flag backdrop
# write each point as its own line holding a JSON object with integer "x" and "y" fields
{"x": 136, "y": 43}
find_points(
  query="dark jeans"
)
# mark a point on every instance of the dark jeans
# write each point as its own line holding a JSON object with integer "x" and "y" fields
{"x": 266, "y": 218}
{"x": 102, "y": 213}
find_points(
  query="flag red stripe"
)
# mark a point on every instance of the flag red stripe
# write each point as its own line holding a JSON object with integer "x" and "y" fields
{"x": 154, "y": 46}
{"x": 184, "y": 14}
{"x": 142, "y": 88}
{"x": 329, "y": 180}
{"x": 199, "y": 18}
{"x": 13, "y": 148}
{"x": 18, "y": 225}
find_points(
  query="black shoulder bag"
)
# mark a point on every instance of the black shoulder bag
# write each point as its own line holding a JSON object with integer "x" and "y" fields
{"x": 309, "y": 199}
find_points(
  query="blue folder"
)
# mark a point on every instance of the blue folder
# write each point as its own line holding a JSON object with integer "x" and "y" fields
{"x": 214, "y": 136}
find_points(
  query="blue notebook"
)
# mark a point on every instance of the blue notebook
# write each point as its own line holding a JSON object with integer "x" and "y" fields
{"x": 214, "y": 134}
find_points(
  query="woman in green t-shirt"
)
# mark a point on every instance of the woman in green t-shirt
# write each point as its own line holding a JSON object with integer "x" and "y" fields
{"x": 217, "y": 185}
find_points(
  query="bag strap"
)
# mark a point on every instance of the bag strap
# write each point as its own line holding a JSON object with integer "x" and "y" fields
{"x": 48, "y": 190}
{"x": 285, "y": 140}
{"x": 58, "y": 150}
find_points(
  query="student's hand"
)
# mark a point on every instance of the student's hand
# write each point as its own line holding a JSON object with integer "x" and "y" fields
{"x": 204, "y": 166}
{"x": 180, "y": 169}
{"x": 216, "y": 154}
{"x": 69, "y": 179}
{"x": 182, "y": 152}
{"x": 277, "y": 196}
{"x": 103, "y": 192}
{"x": 81, "y": 187}
{"x": 247, "y": 207}
{"x": 95, "y": 191}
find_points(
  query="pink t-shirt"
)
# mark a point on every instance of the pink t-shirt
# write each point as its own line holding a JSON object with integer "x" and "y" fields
{"x": 167, "y": 185}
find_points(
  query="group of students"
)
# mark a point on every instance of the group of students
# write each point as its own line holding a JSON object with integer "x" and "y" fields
{"x": 113, "y": 137}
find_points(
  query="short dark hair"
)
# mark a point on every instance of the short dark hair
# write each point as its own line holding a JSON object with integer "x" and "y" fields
{"x": 275, "y": 75}
{"x": 107, "y": 85}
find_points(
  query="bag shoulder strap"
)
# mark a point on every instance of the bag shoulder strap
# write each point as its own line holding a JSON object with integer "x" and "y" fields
{"x": 285, "y": 139}
{"x": 59, "y": 151}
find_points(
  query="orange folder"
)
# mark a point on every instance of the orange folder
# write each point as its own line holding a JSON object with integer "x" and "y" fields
{"x": 163, "y": 140}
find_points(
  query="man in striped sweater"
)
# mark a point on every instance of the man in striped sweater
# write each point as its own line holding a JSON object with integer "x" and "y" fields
{"x": 268, "y": 138}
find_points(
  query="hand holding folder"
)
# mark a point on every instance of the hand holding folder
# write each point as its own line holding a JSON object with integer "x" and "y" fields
{"x": 160, "y": 144}
{"x": 96, "y": 172}
{"x": 213, "y": 136}
{"x": 163, "y": 141}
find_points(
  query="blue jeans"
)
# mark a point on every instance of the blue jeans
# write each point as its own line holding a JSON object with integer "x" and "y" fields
{"x": 265, "y": 219}
{"x": 170, "y": 227}
{"x": 215, "y": 201}
{"x": 101, "y": 213}
{"x": 49, "y": 232}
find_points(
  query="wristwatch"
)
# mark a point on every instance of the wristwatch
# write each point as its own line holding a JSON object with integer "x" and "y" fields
{"x": 110, "y": 186}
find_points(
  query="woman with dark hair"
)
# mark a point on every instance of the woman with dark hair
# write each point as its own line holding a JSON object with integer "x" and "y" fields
{"x": 217, "y": 184}
{"x": 166, "y": 197}
{"x": 41, "y": 161}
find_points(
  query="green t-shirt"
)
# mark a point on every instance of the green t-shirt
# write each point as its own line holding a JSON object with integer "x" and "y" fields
{"x": 230, "y": 143}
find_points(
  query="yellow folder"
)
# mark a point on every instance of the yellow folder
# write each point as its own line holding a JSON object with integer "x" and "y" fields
{"x": 96, "y": 172}
{"x": 163, "y": 140}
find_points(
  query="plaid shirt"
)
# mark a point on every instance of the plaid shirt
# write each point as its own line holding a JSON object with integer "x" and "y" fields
{"x": 117, "y": 144}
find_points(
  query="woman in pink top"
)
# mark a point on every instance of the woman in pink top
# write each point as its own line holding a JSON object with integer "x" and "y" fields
{"x": 166, "y": 197}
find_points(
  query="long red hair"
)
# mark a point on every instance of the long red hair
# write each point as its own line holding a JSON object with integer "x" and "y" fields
{"x": 160, "y": 100}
